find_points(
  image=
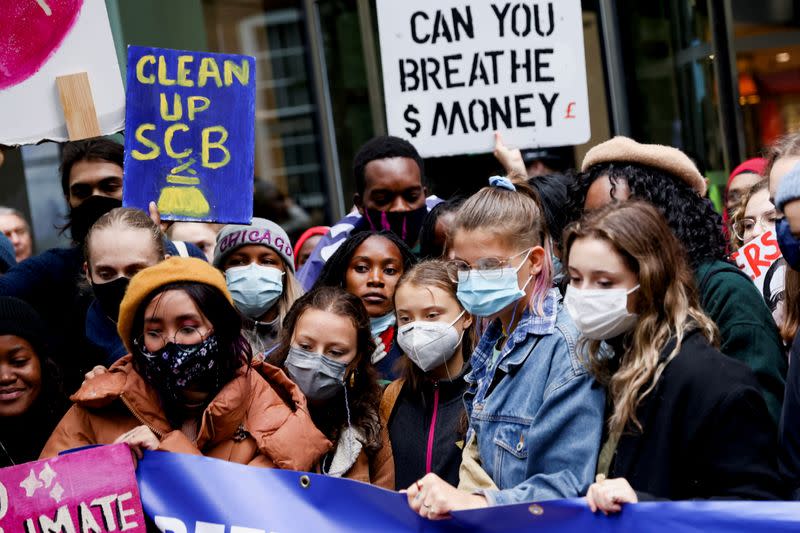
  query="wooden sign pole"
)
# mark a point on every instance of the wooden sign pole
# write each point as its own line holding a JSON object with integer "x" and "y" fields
{"x": 78, "y": 105}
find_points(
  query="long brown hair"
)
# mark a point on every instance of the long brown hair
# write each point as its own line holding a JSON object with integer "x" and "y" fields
{"x": 516, "y": 218}
{"x": 432, "y": 273}
{"x": 668, "y": 305}
{"x": 786, "y": 146}
{"x": 363, "y": 390}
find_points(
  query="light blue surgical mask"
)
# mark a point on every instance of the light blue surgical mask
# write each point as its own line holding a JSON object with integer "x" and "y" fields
{"x": 254, "y": 288}
{"x": 381, "y": 323}
{"x": 485, "y": 293}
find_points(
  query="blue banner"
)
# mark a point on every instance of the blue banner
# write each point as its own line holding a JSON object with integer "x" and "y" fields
{"x": 193, "y": 494}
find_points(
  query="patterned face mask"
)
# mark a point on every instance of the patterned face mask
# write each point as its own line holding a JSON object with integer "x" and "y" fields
{"x": 176, "y": 367}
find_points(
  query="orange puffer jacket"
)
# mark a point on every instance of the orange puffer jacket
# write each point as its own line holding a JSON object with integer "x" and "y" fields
{"x": 259, "y": 419}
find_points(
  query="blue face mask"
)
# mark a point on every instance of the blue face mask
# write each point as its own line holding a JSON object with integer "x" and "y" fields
{"x": 789, "y": 245}
{"x": 254, "y": 288}
{"x": 485, "y": 293}
{"x": 381, "y": 323}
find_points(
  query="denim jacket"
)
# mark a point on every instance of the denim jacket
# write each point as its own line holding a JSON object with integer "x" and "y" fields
{"x": 537, "y": 412}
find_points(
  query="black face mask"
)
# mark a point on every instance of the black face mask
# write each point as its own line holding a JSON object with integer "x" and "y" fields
{"x": 404, "y": 224}
{"x": 109, "y": 296}
{"x": 83, "y": 217}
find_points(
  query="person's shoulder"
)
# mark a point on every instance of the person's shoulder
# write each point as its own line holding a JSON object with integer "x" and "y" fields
{"x": 270, "y": 388}
{"x": 570, "y": 351}
{"x": 702, "y": 367}
{"x": 720, "y": 277}
{"x": 54, "y": 257}
{"x": 391, "y": 394}
{"x": 565, "y": 326}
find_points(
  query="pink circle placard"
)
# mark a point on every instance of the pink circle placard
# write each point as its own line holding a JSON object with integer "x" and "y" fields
{"x": 32, "y": 31}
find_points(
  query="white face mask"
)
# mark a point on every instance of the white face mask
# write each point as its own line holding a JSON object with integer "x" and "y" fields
{"x": 429, "y": 344}
{"x": 600, "y": 314}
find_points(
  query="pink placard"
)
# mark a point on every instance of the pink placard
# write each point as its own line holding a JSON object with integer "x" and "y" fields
{"x": 92, "y": 490}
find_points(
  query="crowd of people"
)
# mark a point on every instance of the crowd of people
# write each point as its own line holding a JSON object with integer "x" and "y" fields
{"x": 576, "y": 334}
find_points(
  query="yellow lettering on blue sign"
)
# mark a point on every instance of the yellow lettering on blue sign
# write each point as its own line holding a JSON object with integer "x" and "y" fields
{"x": 177, "y": 108}
{"x": 208, "y": 145}
{"x": 183, "y": 71}
{"x": 196, "y": 104}
{"x": 163, "y": 78}
{"x": 168, "y": 135}
{"x": 242, "y": 72}
{"x": 208, "y": 69}
{"x": 148, "y": 80}
{"x": 154, "y": 149}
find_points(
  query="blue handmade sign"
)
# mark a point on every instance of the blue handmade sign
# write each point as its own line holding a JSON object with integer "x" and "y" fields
{"x": 189, "y": 134}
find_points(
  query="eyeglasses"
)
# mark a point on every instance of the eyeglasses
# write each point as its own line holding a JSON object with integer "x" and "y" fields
{"x": 488, "y": 268}
{"x": 743, "y": 229}
{"x": 153, "y": 341}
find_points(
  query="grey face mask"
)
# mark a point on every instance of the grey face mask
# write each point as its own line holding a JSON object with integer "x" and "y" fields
{"x": 318, "y": 376}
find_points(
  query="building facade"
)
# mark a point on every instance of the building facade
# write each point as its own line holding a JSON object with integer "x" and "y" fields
{"x": 719, "y": 79}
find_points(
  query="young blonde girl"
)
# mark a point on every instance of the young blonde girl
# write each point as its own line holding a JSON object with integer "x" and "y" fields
{"x": 424, "y": 408}
{"x": 535, "y": 414}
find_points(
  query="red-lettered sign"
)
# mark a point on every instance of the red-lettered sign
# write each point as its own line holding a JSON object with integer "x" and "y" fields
{"x": 92, "y": 490}
{"x": 761, "y": 259}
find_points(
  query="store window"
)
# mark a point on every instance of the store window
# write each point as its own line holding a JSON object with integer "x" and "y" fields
{"x": 668, "y": 57}
{"x": 767, "y": 45}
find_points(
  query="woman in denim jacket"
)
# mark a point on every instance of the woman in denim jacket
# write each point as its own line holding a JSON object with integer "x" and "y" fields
{"x": 535, "y": 414}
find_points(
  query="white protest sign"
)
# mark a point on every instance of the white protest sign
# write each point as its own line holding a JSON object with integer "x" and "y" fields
{"x": 454, "y": 71}
{"x": 761, "y": 259}
{"x": 44, "y": 39}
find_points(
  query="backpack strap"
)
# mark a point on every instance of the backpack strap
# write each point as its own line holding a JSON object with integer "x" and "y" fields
{"x": 389, "y": 399}
{"x": 183, "y": 251}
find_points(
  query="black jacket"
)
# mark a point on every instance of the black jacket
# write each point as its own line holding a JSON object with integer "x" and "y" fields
{"x": 707, "y": 432}
{"x": 51, "y": 283}
{"x": 410, "y": 430}
{"x": 789, "y": 435}
{"x": 22, "y": 438}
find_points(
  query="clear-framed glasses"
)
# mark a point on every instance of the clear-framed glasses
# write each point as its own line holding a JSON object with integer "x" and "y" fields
{"x": 488, "y": 268}
{"x": 745, "y": 228}
{"x": 153, "y": 340}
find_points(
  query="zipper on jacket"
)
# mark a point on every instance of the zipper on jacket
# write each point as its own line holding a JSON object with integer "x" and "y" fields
{"x": 432, "y": 431}
{"x": 139, "y": 417}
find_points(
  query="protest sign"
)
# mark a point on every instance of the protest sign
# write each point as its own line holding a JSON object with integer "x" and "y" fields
{"x": 189, "y": 134}
{"x": 456, "y": 70}
{"x": 761, "y": 259}
{"x": 42, "y": 40}
{"x": 92, "y": 490}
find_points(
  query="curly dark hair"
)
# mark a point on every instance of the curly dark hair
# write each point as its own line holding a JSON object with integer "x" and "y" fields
{"x": 335, "y": 269}
{"x": 383, "y": 147}
{"x": 691, "y": 217}
{"x": 363, "y": 390}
